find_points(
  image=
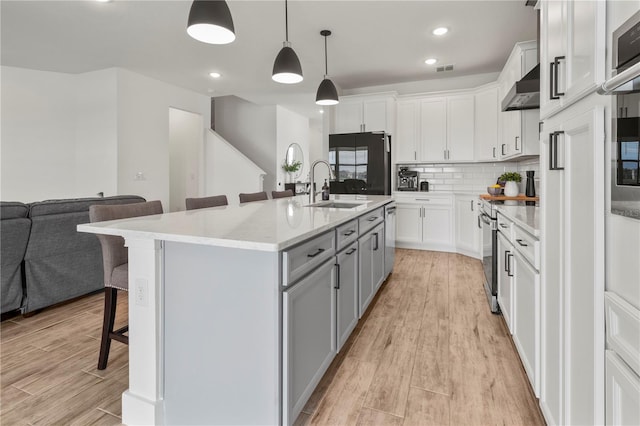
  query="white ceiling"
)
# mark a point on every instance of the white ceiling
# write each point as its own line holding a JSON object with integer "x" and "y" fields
{"x": 373, "y": 42}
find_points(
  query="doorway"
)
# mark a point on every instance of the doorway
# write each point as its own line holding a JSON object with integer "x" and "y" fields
{"x": 185, "y": 157}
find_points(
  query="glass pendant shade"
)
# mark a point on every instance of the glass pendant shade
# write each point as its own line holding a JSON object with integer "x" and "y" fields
{"x": 327, "y": 93}
{"x": 287, "y": 68}
{"x": 210, "y": 22}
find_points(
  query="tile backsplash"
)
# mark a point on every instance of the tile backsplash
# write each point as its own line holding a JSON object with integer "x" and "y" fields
{"x": 470, "y": 177}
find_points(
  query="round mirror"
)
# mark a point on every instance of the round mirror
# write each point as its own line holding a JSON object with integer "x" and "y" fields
{"x": 293, "y": 161}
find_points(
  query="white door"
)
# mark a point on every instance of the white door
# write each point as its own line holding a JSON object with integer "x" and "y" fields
{"x": 467, "y": 231}
{"x": 407, "y": 131}
{"x": 408, "y": 223}
{"x": 552, "y": 45}
{"x": 349, "y": 117}
{"x": 186, "y": 150}
{"x": 460, "y": 127}
{"x": 526, "y": 323}
{"x": 436, "y": 226}
{"x": 433, "y": 129}
{"x": 486, "y": 125}
{"x": 505, "y": 280}
{"x": 375, "y": 116}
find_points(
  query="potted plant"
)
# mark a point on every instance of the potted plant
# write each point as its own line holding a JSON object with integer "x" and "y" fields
{"x": 291, "y": 168}
{"x": 511, "y": 180}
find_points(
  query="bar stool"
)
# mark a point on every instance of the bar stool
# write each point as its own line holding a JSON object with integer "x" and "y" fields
{"x": 204, "y": 202}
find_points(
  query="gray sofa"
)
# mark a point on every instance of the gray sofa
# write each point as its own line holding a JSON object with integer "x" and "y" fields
{"x": 14, "y": 234}
{"x": 59, "y": 262}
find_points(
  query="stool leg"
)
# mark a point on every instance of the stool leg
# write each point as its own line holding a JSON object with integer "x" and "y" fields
{"x": 110, "y": 301}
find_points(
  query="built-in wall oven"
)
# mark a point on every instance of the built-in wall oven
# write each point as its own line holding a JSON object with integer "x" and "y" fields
{"x": 625, "y": 149}
{"x": 488, "y": 223}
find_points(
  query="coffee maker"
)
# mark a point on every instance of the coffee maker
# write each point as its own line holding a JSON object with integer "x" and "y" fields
{"x": 407, "y": 179}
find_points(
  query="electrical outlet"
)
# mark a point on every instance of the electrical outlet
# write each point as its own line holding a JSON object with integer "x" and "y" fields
{"x": 142, "y": 292}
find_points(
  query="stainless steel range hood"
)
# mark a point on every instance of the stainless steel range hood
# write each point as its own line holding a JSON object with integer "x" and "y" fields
{"x": 525, "y": 94}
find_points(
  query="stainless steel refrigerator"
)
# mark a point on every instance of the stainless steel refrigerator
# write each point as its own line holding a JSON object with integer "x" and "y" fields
{"x": 361, "y": 163}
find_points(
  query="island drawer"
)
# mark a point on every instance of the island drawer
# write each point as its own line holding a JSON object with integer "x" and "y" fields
{"x": 303, "y": 258}
{"x": 346, "y": 234}
{"x": 527, "y": 245}
{"x": 505, "y": 226}
{"x": 369, "y": 220}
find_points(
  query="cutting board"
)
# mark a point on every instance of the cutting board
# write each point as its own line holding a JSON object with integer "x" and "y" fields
{"x": 519, "y": 197}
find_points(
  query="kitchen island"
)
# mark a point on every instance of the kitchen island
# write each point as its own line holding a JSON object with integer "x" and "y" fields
{"x": 235, "y": 313}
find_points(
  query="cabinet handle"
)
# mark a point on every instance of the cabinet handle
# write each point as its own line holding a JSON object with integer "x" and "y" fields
{"x": 506, "y": 261}
{"x": 320, "y": 250}
{"x": 553, "y": 150}
{"x": 377, "y": 243}
{"x": 509, "y": 256}
{"x": 503, "y": 226}
{"x": 415, "y": 155}
{"x": 337, "y": 286}
{"x": 626, "y": 112}
{"x": 494, "y": 152}
{"x": 423, "y": 199}
{"x": 552, "y": 72}
{"x": 519, "y": 241}
{"x": 516, "y": 143}
{"x": 353, "y": 250}
{"x": 502, "y": 149}
{"x": 556, "y": 66}
{"x": 350, "y": 232}
{"x": 471, "y": 205}
{"x": 479, "y": 225}
{"x": 372, "y": 218}
{"x": 444, "y": 153}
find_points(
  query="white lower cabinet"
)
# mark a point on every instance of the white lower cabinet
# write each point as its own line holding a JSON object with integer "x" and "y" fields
{"x": 505, "y": 279}
{"x": 467, "y": 230}
{"x": 371, "y": 265}
{"x": 425, "y": 222}
{"x": 346, "y": 293}
{"x": 623, "y": 392}
{"x": 309, "y": 336}
{"x": 526, "y": 317}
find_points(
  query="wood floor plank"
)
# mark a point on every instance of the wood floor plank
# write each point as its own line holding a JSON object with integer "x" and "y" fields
{"x": 343, "y": 401}
{"x": 431, "y": 367}
{"x": 369, "y": 417}
{"x": 426, "y": 408}
{"x": 11, "y": 396}
{"x": 97, "y": 418}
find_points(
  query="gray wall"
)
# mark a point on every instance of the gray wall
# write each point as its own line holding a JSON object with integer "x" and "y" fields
{"x": 251, "y": 129}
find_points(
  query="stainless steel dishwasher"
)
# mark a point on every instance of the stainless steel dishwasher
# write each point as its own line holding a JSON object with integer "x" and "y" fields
{"x": 389, "y": 238}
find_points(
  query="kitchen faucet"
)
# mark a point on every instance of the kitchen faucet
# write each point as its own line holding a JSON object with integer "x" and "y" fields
{"x": 312, "y": 191}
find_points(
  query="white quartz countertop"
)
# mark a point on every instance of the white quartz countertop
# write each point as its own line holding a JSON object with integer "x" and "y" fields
{"x": 270, "y": 225}
{"x": 526, "y": 217}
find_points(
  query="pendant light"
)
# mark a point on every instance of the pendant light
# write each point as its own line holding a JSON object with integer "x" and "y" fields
{"x": 327, "y": 93}
{"x": 210, "y": 22}
{"x": 286, "y": 68}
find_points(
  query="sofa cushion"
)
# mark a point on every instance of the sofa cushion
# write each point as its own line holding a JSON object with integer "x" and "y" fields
{"x": 14, "y": 234}
{"x": 61, "y": 263}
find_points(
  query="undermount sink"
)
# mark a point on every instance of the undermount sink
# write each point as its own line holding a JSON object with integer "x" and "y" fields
{"x": 336, "y": 205}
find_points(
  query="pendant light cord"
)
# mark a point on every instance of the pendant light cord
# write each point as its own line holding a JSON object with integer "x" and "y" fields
{"x": 286, "y": 21}
{"x": 326, "y": 66}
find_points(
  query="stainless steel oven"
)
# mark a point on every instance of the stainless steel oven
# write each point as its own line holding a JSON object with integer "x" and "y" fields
{"x": 625, "y": 147}
{"x": 488, "y": 223}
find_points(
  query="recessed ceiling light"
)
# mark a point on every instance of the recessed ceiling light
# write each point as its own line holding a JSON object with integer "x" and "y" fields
{"x": 440, "y": 31}
{"x": 430, "y": 61}
{"x": 103, "y": 1}
{"x": 321, "y": 111}
{"x": 215, "y": 74}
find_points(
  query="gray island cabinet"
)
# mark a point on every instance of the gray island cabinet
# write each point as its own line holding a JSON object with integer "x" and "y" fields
{"x": 235, "y": 313}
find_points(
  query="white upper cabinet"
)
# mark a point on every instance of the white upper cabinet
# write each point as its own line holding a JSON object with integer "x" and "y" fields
{"x": 572, "y": 52}
{"x": 518, "y": 129}
{"x": 460, "y": 128}
{"x": 365, "y": 114}
{"x": 486, "y": 135}
{"x": 433, "y": 129}
{"x": 407, "y": 133}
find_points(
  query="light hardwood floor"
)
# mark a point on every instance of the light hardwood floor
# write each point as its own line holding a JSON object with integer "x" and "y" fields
{"x": 428, "y": 351}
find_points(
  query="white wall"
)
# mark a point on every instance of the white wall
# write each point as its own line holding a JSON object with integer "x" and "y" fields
{"x": 291, "y": 127}
{"x": 228, "y": 171}
{"x": 186, "y": 151}
{"x": 96, "y": 138}
{"x": 251, "y": 128}
{"x": 38, "y": 135}
{"x": 143, "y": 132}
{"x": 66, "y": 135}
